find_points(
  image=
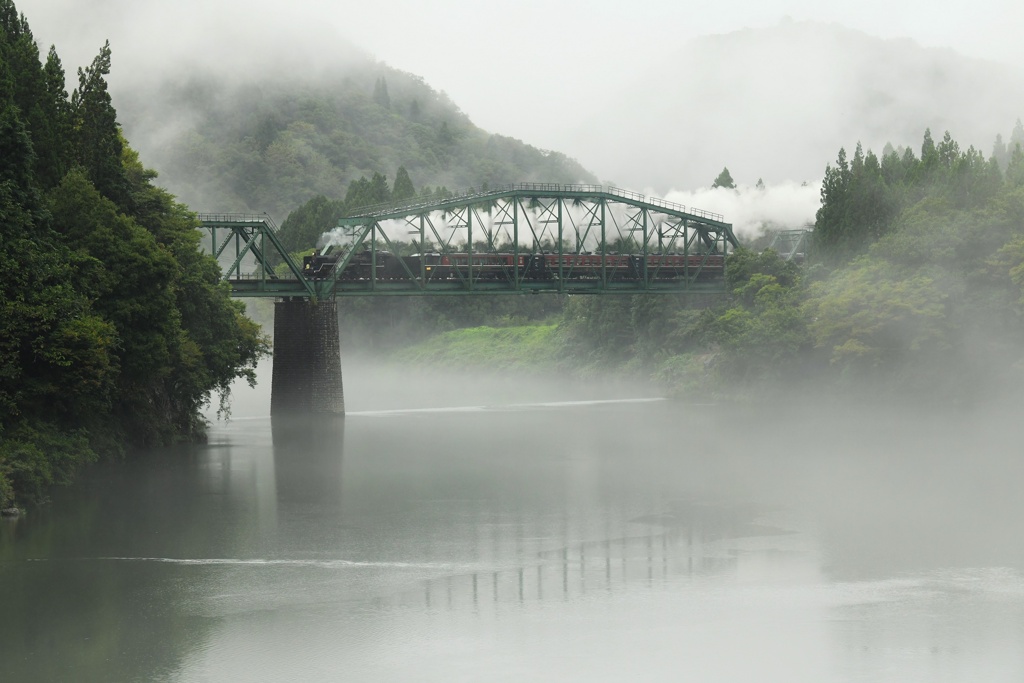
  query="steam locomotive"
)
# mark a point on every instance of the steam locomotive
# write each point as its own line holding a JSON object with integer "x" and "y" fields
{"x": 533, "y": 267}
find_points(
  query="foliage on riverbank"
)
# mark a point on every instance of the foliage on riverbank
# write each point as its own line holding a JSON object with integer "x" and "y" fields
{"x": 923, "y": 302}
{"x": 114, "y": 328}
{"x": 528, "y": 348}
{"x": 913, "y": 292}
{"x": 920, "y": 302}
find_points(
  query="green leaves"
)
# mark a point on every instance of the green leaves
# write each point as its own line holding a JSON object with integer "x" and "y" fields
{"x": 861, "y": 200}
{"x": 96, "y": 132}
{"x": 868, "y": 315}
{"x": 761, "y": 332}
{"x": 114, "y": 328}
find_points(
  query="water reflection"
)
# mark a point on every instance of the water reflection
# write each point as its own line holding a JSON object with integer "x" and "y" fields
{"x": 375, "y": 547}
{"x": 71, "y": 610}
{"x": 308, "y": 459}
{"x": 690, "y": 541}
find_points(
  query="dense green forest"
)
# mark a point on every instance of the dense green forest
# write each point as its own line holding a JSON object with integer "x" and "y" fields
{"x": 114, "y": 328}
{"x": 913, "y": 290}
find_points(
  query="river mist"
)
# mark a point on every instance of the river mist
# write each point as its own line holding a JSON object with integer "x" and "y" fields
{"x": 460, "y": 527}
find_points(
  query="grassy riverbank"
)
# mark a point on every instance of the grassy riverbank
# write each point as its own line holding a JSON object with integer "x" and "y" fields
{"x": 526, "y": 347}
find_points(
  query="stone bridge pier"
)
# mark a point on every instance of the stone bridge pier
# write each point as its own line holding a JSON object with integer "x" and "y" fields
{"x": 307, "y": 359}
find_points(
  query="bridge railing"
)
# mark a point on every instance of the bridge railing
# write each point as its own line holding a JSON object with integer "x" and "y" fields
{"x": 482, "y": 194}
{"x": 258, "y": 275}
{"x": 238, "y": 218}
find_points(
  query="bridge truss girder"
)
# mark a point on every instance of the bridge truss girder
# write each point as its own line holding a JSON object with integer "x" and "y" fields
{"x": 580, "y": 232}
{"x": 562, "y": 220}
{"x": 250, "y": 242}
{"x": 791, "y": 245}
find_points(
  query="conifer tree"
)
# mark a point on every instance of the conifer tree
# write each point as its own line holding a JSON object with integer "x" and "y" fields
{"x": 1015, "y": 167}
{"x": 363, "y": 192}
{"x": 403, "y": 188}
{"x": 948, "y": 152}
{"x": 97, "y": 132}
{"x": 445, "y": 135}
{"x": 1000, "y": 153}
{"x": 830, "y": 225}
{"x": 52, "y": 142}
{"x": 929, "y": 156}
{"x": 380, "y": 93}
{"x": 1017, "y": 136}
{"x": 725, "y": 180}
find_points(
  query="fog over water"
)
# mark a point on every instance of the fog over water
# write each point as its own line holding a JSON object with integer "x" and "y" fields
{"x": 459, "y": 527}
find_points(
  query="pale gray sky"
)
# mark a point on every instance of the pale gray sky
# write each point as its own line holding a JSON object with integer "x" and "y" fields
{"x": 528, "y": 68}
{"x": 511, "y": 66}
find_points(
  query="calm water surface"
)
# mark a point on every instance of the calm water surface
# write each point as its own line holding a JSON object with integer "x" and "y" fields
{"x": 459, "y": 529}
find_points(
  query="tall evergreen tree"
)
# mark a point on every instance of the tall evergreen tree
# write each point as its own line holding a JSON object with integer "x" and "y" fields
{"x": 380, "y": 93}
{"x": 1000, "y": 153}
{"x": 929, "y": 156}
{"x": 16, "y": 155}
{"x": 724, "y": 179}
{"x": 1015, "y": 167}
{"x": 97, "y": 133}
{"x": 302, "y": 229}
{"x": 363, "y": 192}
{"x": 403, "y": 188}
{"x": 19, "y": 51}
{"x": 53, "y": 141}
{"x": 830, "y": 229}
{"x": 1017, "y": 136}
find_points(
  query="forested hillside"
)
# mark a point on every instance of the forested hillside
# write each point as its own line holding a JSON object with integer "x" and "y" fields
{"x": 114, "y": 328}
{"x": 914, "y": 289}
{"x": 274, "y": 142}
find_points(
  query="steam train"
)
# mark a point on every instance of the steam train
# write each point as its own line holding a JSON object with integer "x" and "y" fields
{"x": 532, "y": 267}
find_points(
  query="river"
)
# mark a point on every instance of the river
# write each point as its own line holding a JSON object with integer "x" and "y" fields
{"x": 471, "y": 528}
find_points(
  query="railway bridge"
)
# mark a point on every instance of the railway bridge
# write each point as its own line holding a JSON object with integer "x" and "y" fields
{"x": 512, "y": 239}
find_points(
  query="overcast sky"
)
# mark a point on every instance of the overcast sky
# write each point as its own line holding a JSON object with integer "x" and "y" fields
{"x": 511, "y": 66}
{"x": 530, "y": 69}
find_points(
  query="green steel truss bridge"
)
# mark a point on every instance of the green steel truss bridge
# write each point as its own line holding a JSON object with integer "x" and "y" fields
{"x": 570, "y": 239}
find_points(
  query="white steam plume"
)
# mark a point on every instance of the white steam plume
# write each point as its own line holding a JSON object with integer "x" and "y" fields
{"x": 751, "y": 209}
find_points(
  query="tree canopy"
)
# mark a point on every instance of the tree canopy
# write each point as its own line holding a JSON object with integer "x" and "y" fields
{"x": 274, "y": 144}
{"x": 114, "y": 328}
{"x": 913, "y": 291}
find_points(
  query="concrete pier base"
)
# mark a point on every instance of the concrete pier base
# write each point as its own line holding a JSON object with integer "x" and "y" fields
{"x": 307, "y": 359}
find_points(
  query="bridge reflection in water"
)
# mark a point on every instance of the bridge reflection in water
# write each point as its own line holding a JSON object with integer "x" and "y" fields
{"x": 672, "y": 548}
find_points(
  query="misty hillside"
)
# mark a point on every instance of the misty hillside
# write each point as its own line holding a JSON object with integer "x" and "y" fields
{"x": 228, "y": 143}
{"x": 777, "y": 103}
